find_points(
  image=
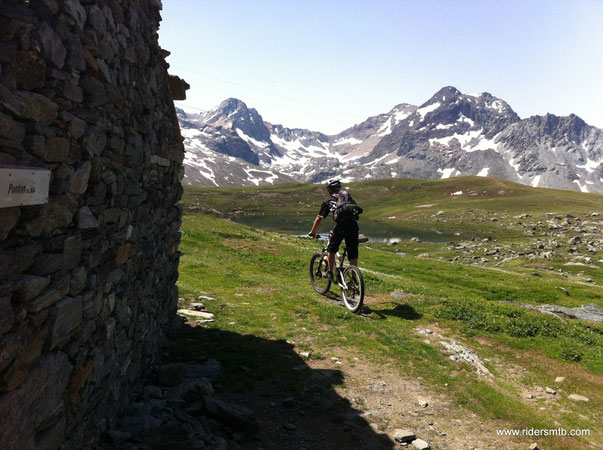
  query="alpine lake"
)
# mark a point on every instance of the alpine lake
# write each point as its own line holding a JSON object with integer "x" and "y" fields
{"x": 375, "y": 231}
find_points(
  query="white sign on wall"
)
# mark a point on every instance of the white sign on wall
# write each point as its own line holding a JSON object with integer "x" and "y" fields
{"x": 20, "y": 186}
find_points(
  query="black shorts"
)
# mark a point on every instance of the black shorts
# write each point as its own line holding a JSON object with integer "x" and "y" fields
{"x": 347, "y": 230}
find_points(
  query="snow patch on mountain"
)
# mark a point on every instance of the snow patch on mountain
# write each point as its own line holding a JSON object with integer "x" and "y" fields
{"x": 385, "y": 129}
{"x": 451, "y": 134}
{"x": 583, "y": 187}
{"x": 447, "y": 173}
{"x": 348, "y": 141}
{"x": 427, "y": 109}
{"x": 590, "y": 165}
{"x": 464, "y": 119}
{"x": 251, "y": 140}
{"x": 535, "y": 181}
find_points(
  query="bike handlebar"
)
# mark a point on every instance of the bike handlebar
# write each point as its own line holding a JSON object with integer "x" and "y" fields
{"x": 361, "y": 239}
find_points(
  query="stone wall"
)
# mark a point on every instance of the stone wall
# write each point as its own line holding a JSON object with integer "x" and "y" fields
{"x": 87, "y": 281}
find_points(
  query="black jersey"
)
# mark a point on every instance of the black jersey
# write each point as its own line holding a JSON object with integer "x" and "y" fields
{"x": 328, "y": 206}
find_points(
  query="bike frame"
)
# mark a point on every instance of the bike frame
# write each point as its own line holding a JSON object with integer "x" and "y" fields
{"x": 341, "y": 259}
{"x": 352, "y": 293}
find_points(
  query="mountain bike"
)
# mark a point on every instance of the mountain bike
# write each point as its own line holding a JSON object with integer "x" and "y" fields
{"x": 348, "y": 278}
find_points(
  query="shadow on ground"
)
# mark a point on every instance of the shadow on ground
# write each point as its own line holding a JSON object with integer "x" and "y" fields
{"x": 296, "y": 405}
{"x": 403, "y": 311}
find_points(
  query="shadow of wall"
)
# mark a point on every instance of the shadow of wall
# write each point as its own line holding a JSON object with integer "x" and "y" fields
{"x": 294, "y": 400}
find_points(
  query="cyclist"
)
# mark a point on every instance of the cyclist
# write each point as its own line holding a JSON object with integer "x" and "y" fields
{"x": 344, "y": 229}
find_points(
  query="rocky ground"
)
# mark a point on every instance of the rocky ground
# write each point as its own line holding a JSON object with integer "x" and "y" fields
{"x": 348, "y": 404}
{"x": 343, "y": 402}
{"x": 577, "y": 239}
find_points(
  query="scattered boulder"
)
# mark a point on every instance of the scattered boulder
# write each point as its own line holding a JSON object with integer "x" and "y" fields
{"x": 461, "y": 353}
{"x": 200, "y": 314}
{"x": 588, "y": 312}
{"x": 237, "y": 416}
{"x": 575, "y": 240}
{"x": 184, "y": 415}
{"x": 170, "y": 374}
{"x": 420, "y": 444}
{"x": 191, "y": 389}
{"x": 118, "y": 436}
{"x": 210, "y": 369}
{"x": 404, "y": 435}
{"x": 562, "y": 289}
{"x": 578, "y": 398}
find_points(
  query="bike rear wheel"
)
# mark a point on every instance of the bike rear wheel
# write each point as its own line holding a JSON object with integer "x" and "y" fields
{"x": 319, "y": 267}
{"x": 353, "y": 296}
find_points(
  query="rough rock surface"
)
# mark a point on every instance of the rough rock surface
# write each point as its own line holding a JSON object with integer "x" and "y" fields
{"x": 87, "y": 281}
{"x": 588, "y": 312}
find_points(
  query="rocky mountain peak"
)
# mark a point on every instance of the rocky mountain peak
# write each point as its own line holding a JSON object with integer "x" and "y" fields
{"x": 447, "y": 94}
{"x": 234, "y": 114}
{"x": 403, "y": 107}
{"x": 230, "y": 106}
{"x": 569, "y": 128}
{"x": 451, "y": 134}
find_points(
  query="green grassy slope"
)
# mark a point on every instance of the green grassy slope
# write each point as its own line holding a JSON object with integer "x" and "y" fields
{"x": 383, "y": 198}
{"x": 261, "y": 284}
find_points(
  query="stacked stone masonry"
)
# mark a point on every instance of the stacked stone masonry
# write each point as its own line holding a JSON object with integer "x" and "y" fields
{"x": 88, "y": 280}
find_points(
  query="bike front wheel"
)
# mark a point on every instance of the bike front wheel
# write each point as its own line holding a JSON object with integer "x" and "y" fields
{"x": 319, "y": 268}
{"x": 353, "y": 293}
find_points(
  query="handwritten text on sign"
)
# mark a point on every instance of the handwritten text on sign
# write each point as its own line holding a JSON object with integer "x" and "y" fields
{"x": 20, "y": 186}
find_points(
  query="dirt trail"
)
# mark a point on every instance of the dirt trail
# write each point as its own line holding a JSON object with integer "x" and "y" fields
{"x": 392, "y": 402}
{"x": 363, "y": 409}
{"x": 351, "y": 402}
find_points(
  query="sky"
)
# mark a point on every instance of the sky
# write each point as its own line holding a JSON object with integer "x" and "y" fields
{"x": 328, "y": 65}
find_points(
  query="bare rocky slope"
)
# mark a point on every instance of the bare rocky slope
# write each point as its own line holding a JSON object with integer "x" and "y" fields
{"x": 451, "y": 134}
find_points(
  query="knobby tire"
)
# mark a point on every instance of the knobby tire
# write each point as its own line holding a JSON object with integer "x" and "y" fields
{"x": 354, "y": 295}
{"x": 318, "y": 265}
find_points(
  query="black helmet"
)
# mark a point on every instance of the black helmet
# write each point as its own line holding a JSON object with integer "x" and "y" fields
{"x": 334, "y": 184}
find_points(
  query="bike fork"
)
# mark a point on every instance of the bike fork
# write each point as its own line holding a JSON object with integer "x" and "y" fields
{"x": 341, "y": 283}
{"x": 339, "y": 270}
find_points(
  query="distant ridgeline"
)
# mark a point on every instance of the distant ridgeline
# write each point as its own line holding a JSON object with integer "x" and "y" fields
{"x": 451, "y": 134}
{"x": 90, "y": 168}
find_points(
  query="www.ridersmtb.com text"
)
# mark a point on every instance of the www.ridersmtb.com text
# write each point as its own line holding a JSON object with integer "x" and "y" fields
{"x": 542, "y": 432}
